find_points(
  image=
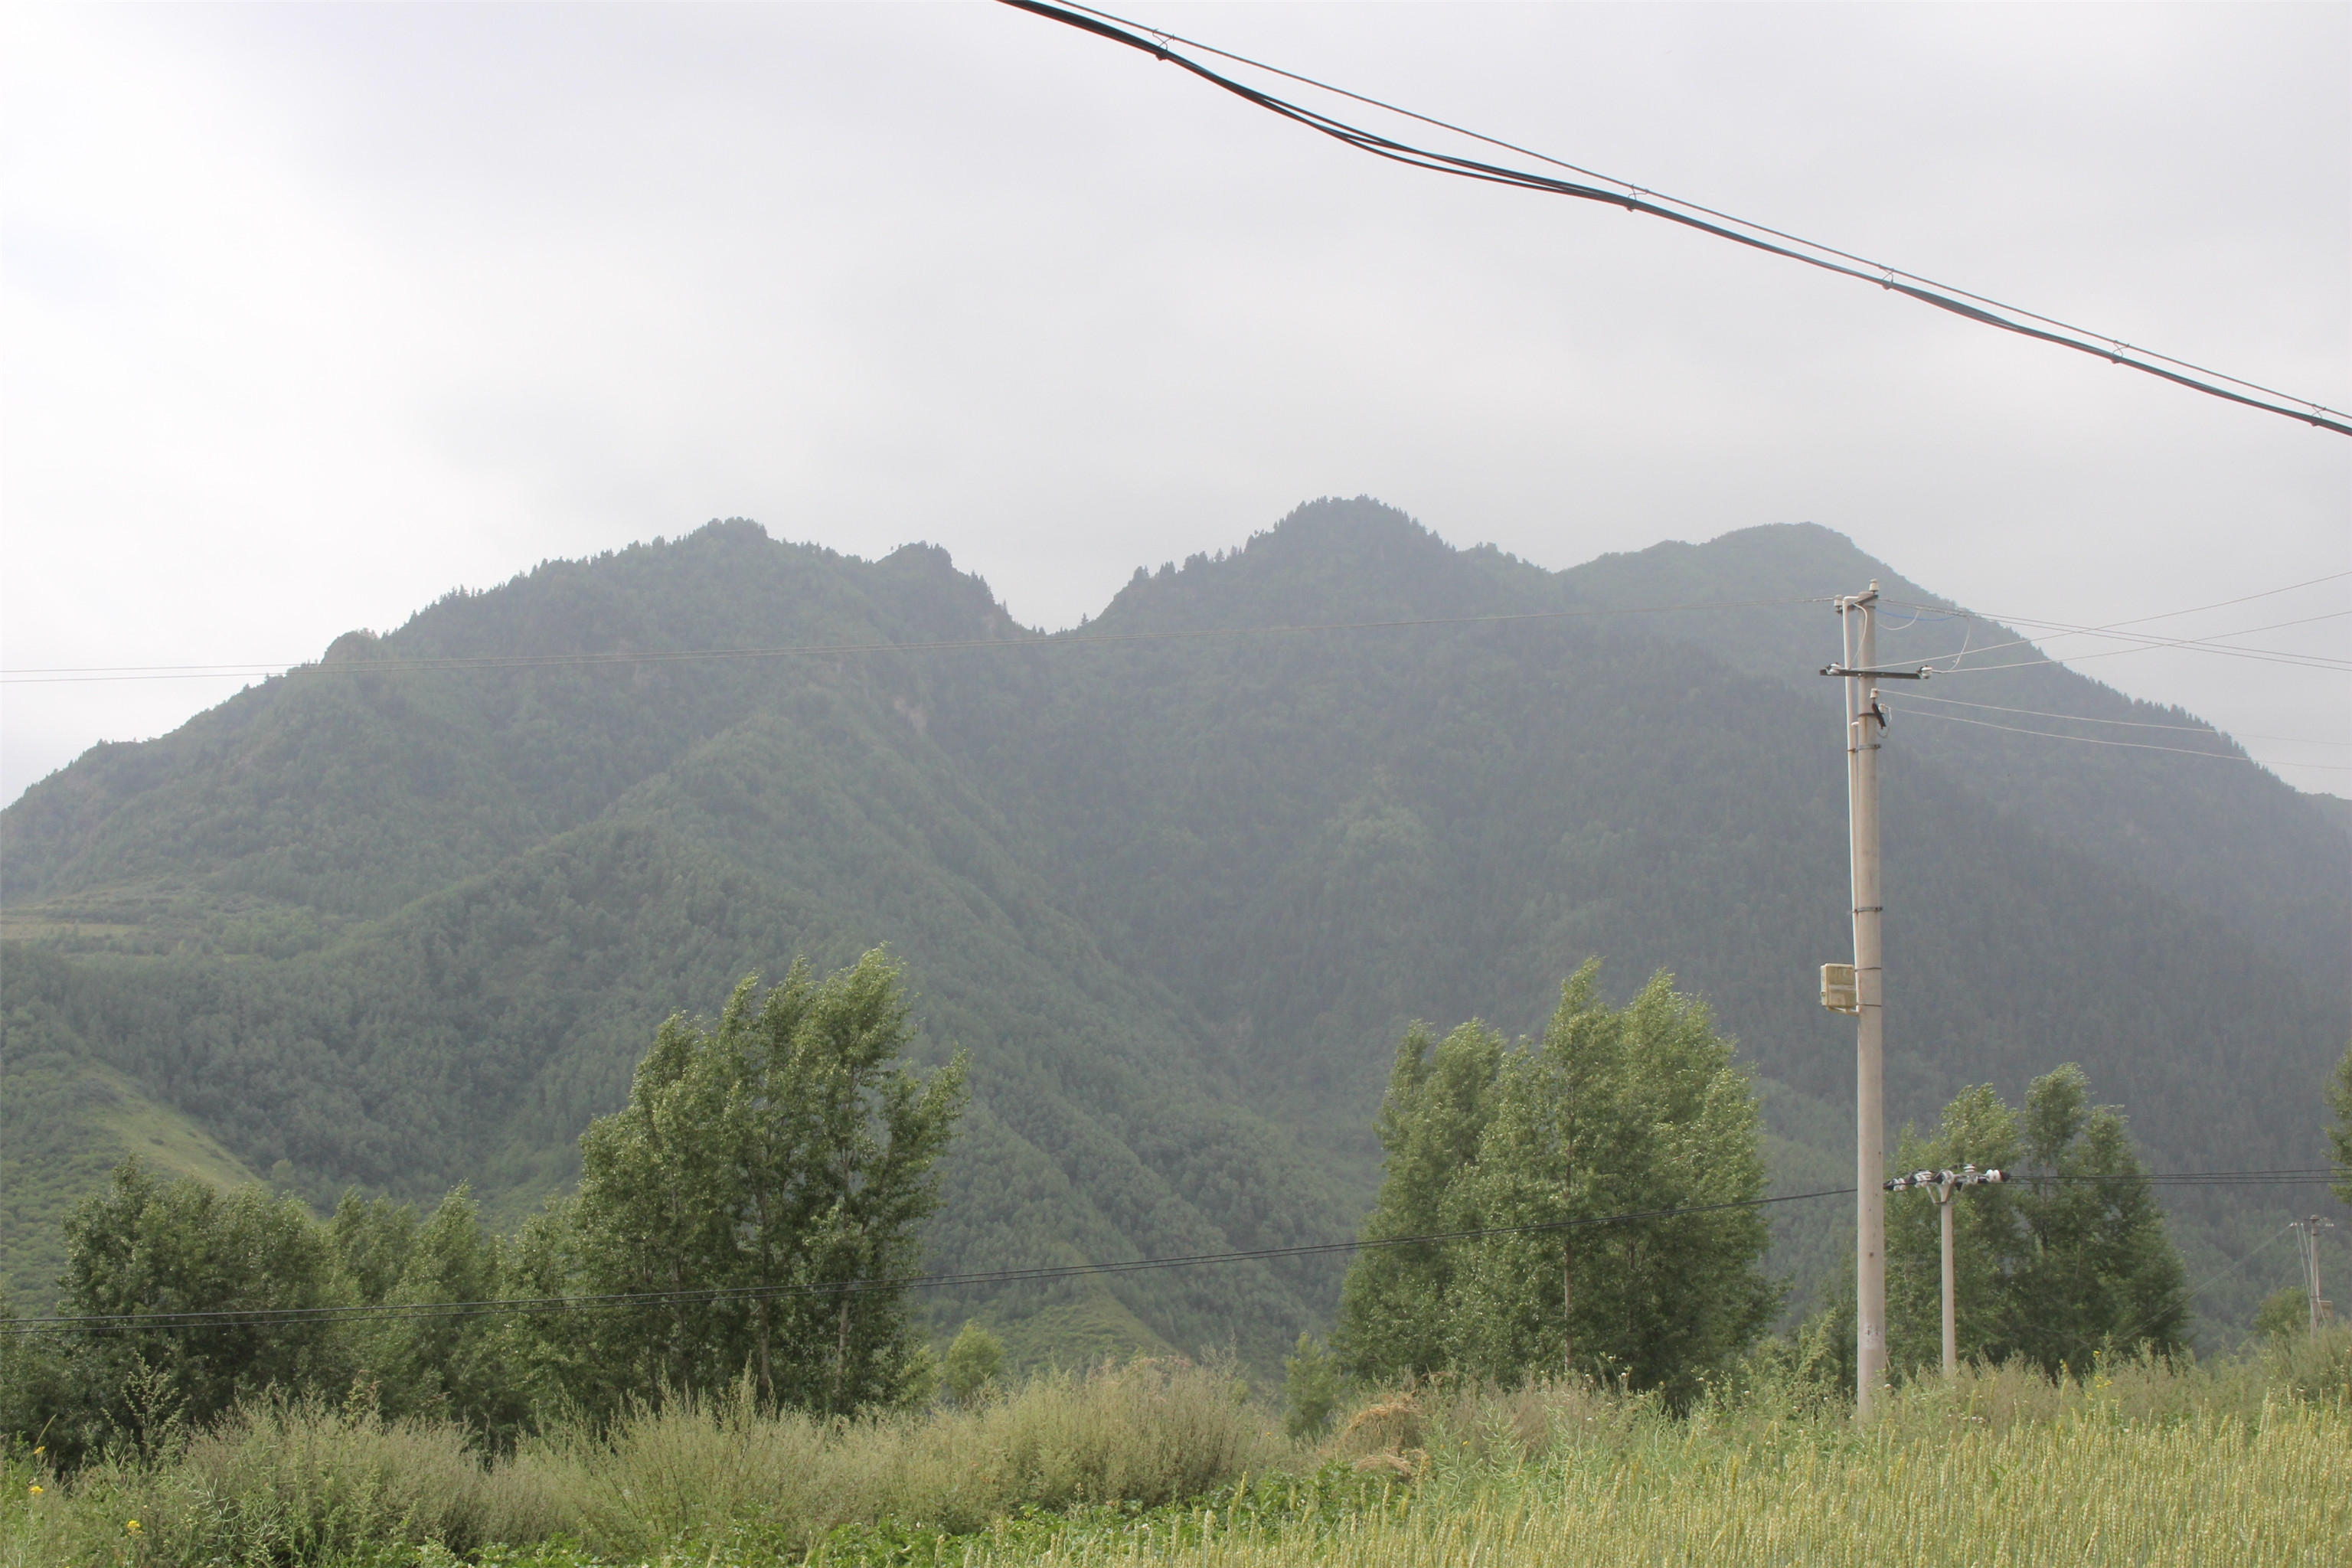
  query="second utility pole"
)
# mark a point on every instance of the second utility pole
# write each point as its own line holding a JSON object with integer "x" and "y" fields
{"x": 1858, "y": 617}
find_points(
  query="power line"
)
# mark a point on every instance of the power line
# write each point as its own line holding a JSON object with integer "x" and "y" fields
{"x": 2101, "y": 741}
{"x": 2128, "y": 724}
{"x": 1690, "y": 214}
{"x": 670, "y": 656}
{"x": 1876, "y": 266}
{"x": 2155, "y": 640}
{"x": 2209, "y": 1281}
{"x": 1047, "y": 1273}
{"x": 2062, "y": 628}
{"x": 253, "y": 1317}
{"x": 2324, "y": 662}
{"x": 247, "y": 670}
{"x": 2141, "y": 620}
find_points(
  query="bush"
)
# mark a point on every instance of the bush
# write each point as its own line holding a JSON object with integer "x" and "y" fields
{"x": 2317, "y": 1367}
{"x": 975, "y": 1358}
{"x": 275, "y": 1483}
{"x": 1147, "y": 1433}
{"x": 1312, "y": 1384}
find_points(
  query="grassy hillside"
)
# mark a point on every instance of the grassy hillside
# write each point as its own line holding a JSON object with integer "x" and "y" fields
{"x": 409, "y": 917}
{"x": 66, "y": 1120}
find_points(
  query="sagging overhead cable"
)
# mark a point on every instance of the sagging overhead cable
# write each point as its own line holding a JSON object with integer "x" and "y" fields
{"x": 1637, "y": 199}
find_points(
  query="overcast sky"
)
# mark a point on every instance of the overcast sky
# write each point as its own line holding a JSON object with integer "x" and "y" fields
{"x": 313, "y": 313}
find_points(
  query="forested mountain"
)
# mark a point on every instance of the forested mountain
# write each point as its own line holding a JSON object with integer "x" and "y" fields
{"x": 1174, "y": 880}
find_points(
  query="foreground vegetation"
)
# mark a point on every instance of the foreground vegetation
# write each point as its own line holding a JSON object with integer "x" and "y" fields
{"x": 2145, "y": 1462}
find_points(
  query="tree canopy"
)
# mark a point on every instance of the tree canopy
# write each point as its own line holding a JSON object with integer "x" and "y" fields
{"x": 765, "y": 1183}
{"x": 2067, "y": 1258}
{"x": 756, "y": 1204}
{"x": 1631, "y": 1111}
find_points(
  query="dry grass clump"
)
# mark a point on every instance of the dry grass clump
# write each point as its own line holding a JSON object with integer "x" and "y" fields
{"x": 1384, "y": 1438}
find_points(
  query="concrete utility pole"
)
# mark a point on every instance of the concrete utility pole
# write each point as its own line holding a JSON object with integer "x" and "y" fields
{"x": 1858, "y": 618}
{"x": 1945, "y": 1184}
{"x": 1860, "y": 989}
{"x": 2307, "y": 1243}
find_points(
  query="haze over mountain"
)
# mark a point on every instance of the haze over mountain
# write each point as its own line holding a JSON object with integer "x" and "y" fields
{"x": 1176, "y": 881}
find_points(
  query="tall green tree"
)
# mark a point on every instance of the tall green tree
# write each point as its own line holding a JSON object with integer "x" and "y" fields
{"x": 1631, "y": 1111}
{"x": 145, "y": 1246}
{"x": 766, "y": 1181}
{"x": 455, "y": 1365}
{"x": 2069, "y": 1258}
{"x": 1988, "y": 1240}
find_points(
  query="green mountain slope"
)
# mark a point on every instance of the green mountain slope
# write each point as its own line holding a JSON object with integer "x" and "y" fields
{"x": 66, "y": 1120}
{"x": 409, "y": 917}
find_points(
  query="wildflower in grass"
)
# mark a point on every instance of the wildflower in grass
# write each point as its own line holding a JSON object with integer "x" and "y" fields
{"x": 36, "y": 1492}
{"x": 132, "y": 1525}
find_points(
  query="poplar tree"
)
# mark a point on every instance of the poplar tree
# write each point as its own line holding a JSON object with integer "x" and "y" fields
{"x": 2067, "y": 1258}
{"x": 1628, "y": 1112}
{"x": 763, "y": 1187}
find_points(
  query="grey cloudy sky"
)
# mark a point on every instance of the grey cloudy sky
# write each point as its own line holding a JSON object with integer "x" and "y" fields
{"x": 313, "y": 313}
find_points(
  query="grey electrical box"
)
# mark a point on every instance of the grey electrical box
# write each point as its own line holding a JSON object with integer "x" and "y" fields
{"x": 1839, "y": 994}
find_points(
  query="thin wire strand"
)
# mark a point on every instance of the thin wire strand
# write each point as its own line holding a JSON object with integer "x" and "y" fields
{"x": 2290, "y": 660}
{"x": 2130, "y": 723}
{"x": 2052, "y": 629}
{"x": 672, "y": 656}
{"x": 2142, "y": 620}
{"x": 2110, "y": 625}
{"x": 231, "y": 1318}
{"x": 234, "y": 1317}
{"x": 2210, "y": 1280}
{"x": 2101, "y": 741}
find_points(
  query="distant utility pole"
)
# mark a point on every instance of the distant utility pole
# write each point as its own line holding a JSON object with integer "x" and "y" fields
{"x": 1865, "y": 722}
{"x": 1945, "y": 1184}
{"x": 2307, "y": 1241}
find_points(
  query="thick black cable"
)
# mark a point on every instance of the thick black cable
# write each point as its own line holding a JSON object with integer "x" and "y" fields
{"x": 253, "y": 1317}
{"x": 2114, "y": 351}
{"x": 1877, "y": 268}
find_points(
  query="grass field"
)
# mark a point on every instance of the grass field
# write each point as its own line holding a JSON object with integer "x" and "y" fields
{"x": 2245, "y": 1462}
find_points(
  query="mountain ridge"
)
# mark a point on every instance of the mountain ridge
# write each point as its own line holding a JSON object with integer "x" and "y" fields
{"x": 1177, "y": 894}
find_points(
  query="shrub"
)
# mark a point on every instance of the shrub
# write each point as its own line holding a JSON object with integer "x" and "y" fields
{"x": 1311, "y": 1385}
{"x": 975, "y": 1358}
{"x": 275, "y": 1483}
{"x": 1148, "y": 1433}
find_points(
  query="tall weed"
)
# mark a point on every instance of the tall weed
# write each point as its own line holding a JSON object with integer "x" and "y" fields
{"x": 2081, "y": 1491}
{"x": 1147, "y": 1434}
{"x": 275, "y": 1483}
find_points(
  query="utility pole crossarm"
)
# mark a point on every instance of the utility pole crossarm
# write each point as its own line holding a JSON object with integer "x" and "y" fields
{"x": 1945, "y": 1184}
{"x": 1838, "y": 669}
